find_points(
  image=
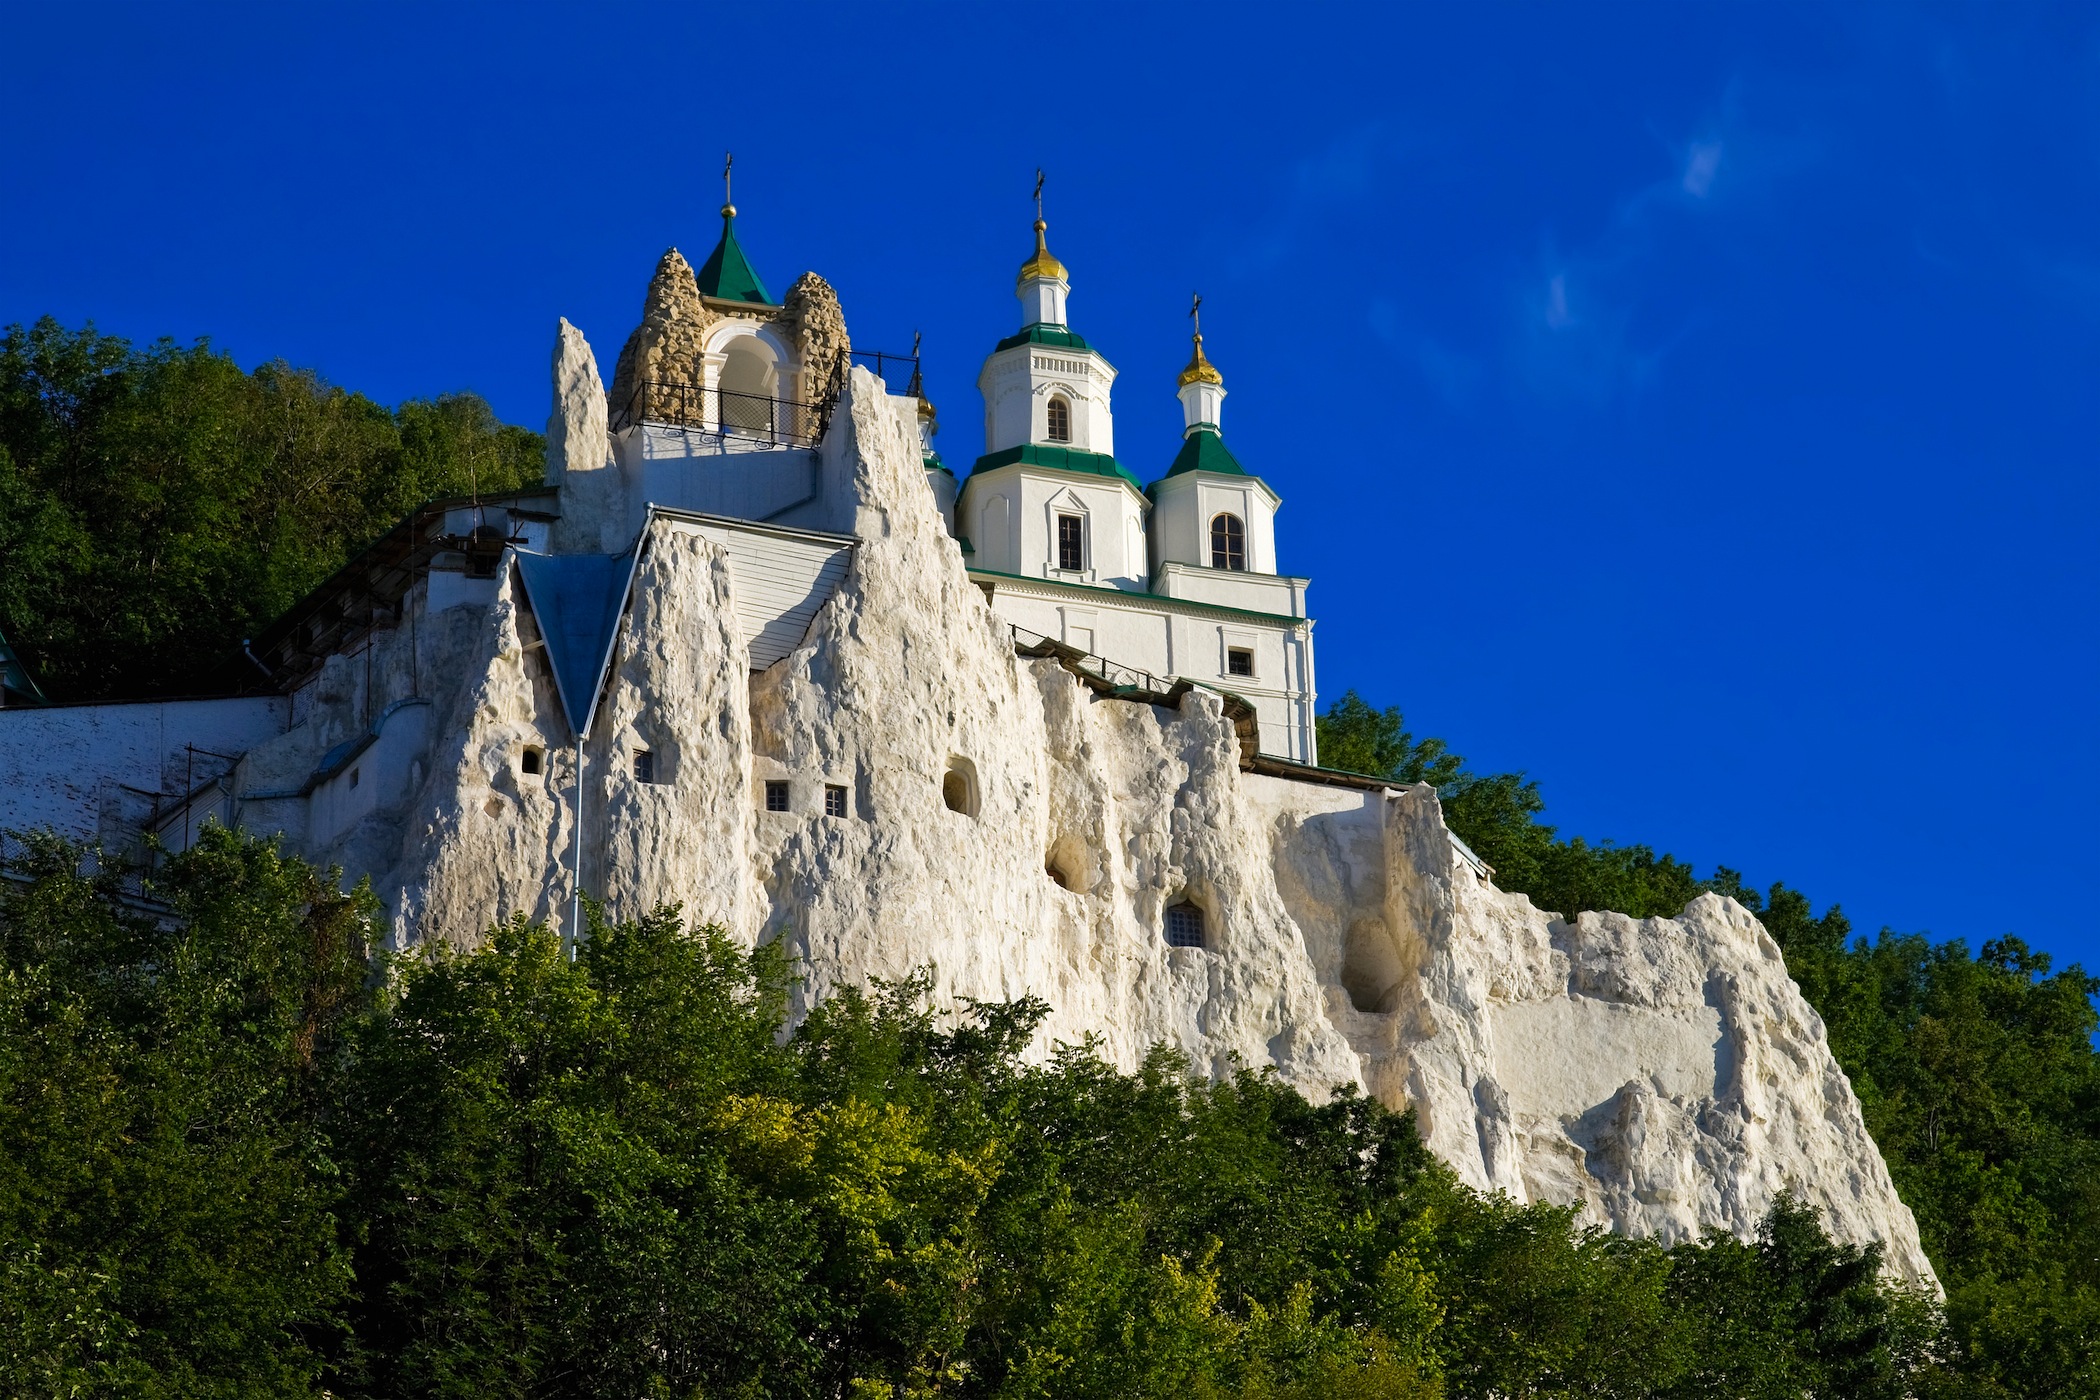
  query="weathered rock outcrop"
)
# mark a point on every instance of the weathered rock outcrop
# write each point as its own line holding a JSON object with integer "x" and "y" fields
{"x": 819, "y": 327}
{"x": 670, "y": 343}
{"x": 1024, "y": 834}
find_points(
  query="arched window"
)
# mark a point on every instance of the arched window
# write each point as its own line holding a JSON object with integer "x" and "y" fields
{"x": 750, "y": 382}
{"x": 1228, "y": 542}
{"x": 1184, "y": 925}
{"x": 1060, "y": 416}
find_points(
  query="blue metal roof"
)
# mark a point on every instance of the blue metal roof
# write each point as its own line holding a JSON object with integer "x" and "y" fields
{"x": 577, "y": 600}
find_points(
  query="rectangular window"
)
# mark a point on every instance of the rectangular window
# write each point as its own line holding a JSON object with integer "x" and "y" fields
{"x": 834, "y": 800}
{"x": 1239, "y": 661}
{"x": 353, "y": 777}
{"x": 644, "y": 766}
{"x": 1071, "y": 542}
{"x": 776, "y": 797}
{"x": 1184, "y": 926}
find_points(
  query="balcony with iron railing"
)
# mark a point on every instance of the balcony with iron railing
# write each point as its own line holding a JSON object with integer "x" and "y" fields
{"x": 758, "y": 418}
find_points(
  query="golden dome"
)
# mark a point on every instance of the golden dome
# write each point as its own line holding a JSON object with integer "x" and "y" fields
{"x": 925, "y": 409}
{"x": 1200, "y": 370}
{"x": 1042, "y": 264}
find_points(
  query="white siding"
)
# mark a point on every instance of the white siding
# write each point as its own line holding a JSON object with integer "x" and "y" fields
{"x": 780, "y": 578}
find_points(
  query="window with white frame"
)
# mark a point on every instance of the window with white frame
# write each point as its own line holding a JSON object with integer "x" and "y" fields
{"x": 1058, "y": 420}
{"x": 1228, "y": 542}
{"x": 1071, "y": 542}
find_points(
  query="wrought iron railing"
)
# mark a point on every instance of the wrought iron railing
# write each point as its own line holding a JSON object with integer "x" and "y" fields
{"x": 754, "y": 416}
{"x": 900, "y": 372}
{"x": 785, "y": 422}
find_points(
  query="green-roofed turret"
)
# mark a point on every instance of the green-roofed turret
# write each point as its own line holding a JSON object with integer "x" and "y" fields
{"x": 727, "y": 272}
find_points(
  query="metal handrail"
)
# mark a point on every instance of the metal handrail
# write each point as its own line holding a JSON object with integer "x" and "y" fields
{"x": 878, "y": 363}
{"x": 1113, "y": 673}
{"x": 728, "y": 412}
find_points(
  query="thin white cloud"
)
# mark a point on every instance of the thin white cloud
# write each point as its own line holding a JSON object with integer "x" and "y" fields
{"x": 1700, "y": 167}
{"x": 1558, "y": 317}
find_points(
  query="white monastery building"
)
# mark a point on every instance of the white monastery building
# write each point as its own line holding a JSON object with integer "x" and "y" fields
{"x": 752, "y": 649}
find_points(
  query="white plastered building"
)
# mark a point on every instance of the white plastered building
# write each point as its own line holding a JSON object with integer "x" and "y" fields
{"x": 1176, "y": 581}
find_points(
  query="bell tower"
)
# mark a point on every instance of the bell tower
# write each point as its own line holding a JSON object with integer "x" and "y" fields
{"x": 1044, "y": 385}
{"x": 1048, "y": 498}
{"x": 1208, "y": 511}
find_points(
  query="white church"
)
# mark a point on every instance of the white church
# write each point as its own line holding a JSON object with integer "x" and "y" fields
{"x": 1175, "y": 580}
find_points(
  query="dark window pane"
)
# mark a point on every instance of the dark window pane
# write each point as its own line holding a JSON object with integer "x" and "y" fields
{"x": 644, "y": 766}
{"x": 776, "y": 797}
{"x": 1060, "y": 417}
{"x": 1239, "y": 661}
{"x": 1185, "y": 926}
{"x": 834, "y": 801}
{"x": 1071, "y": 541}
{"x": 1228, "y": 543}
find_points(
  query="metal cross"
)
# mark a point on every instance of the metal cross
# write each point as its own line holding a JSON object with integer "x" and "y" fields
{"x": 727, "y": 161}
{"x": 1039, "y": 193}
{"x": 1195, "y": 311}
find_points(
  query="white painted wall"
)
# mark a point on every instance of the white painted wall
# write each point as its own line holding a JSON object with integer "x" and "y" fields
{"x": 67, "y": 767}
{"x": 1018, "y": 384}
{"x": 1183, "y": 507}
{"x": 1015, "y": 508}
{"x": 1137, "y": 632}
{"x": 379, "y": 776}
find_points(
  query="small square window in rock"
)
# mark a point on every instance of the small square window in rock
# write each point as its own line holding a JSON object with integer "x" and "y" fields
{"x": 644, "y": 766}
{"x": 1239, "y": 661}
{"x": 776, "y": 797}
{"x": 529, "y": 762}
{"x": 834, "y": 800}
{"x": 1184, "y": 926}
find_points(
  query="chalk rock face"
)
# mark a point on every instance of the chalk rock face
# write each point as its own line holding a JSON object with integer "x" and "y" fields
{"x": 579, "y": 452}
{"x": 482, "y": 840}
{"x": 950, "y": 804}
{"x": 676, "y": 693}
{"x": 908, "y": 696}
{"x": 1666, "y": 1073}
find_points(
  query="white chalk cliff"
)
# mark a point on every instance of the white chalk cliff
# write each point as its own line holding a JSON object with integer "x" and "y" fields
{"x": 1664, "y": 1073}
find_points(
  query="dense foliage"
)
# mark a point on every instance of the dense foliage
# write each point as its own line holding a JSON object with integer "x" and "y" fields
{"x": 1976, "y": 1073}
{"x": 240, "y": 1156}
{"x": 159, "y": 505}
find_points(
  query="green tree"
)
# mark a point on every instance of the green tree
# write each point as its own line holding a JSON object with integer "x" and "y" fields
{"x": 157, "y": 505}
{"x": 241, "y": 1155}
{"x": 167, "y": 1193}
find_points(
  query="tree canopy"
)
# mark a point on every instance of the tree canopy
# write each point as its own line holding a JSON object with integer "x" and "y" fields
{"x": 241, "y": 1154}
{"x": 158, "y": 505}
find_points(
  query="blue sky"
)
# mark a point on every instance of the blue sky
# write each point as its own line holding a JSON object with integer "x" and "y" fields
{"x": 1690, "y": 405}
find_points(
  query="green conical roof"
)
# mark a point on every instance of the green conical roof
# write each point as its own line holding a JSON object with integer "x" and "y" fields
{"x": 1204, "y": 451}
{"x": 727, "y": 273}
